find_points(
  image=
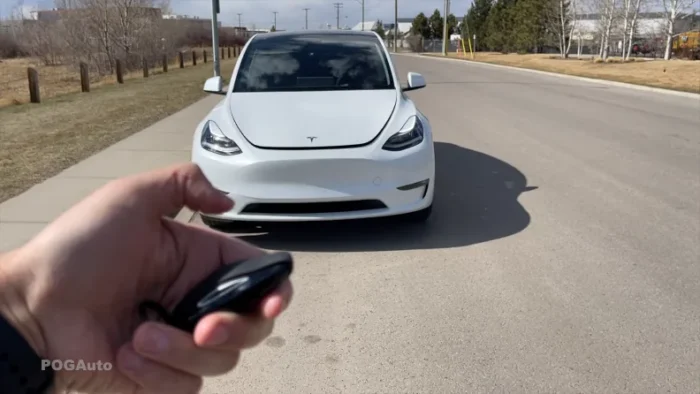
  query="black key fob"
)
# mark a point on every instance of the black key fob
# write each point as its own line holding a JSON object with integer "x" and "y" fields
{"x": 238, "y": 288}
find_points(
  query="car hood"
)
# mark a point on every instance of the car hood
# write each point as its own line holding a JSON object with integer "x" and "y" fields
{"x": 312, "y": 119}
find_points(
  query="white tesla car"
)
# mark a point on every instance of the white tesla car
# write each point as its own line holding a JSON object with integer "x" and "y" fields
{"x": 315, "y": 126}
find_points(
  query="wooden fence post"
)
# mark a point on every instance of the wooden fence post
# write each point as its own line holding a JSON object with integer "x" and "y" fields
{"x": 165, "y": 63}
{"x": 204, "y": 55}
{"x": 236, "y": 51}
{"x": 33, "y": 77}
{"x": 194, "y": 58}
{"x": 222, "y": 53}
{"x": 229, "y": 52}
{"x": 145, "y": 68}
{"x": 181, "y": 57}
{"x": 120, "y": 72}
{"x": 84, "y": 77}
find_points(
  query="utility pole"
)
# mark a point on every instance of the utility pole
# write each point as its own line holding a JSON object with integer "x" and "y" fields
{"x": 337, "y": 6}
{"x": 275, "y": 24}
{"x": 396, "y": 25}
{"x": 239, "y": 21}
{"x": 445, "y": 38}
{"x": 363, "y": 15}
{"x": 306, "y": 11}
{"x": 215, "y": 36}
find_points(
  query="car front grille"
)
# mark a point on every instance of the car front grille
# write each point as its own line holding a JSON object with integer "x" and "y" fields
{"x": 312, "y": 207}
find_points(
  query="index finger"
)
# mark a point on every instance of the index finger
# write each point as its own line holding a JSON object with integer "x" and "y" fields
{"x": 165, "y": 191}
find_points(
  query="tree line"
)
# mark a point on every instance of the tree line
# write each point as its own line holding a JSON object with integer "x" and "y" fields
{"x": 535, "y": 26}
{"x": 523, "y": 26}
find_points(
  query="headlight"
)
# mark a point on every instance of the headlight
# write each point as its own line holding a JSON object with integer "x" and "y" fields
{"x": 411, "y": 134}
{"x": 215, "y": 141}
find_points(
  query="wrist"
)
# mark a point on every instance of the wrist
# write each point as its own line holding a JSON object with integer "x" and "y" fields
{"x": 15, "y": 301}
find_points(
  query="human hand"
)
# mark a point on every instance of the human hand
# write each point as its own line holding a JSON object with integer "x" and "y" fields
{"x": 73, "y": 291}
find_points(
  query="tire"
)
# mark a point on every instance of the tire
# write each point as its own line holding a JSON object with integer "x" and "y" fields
{"x": 421, "y": 216}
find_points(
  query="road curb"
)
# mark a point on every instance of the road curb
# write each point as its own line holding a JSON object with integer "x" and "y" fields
{"x": 185, "y": 215}
{"x": 552, "y": 74}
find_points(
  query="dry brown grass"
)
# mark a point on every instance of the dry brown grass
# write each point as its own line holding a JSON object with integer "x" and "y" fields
{"x": 39, "y": 140}
{"x": 57, "y": 80}
{"x": 682, "y": 75}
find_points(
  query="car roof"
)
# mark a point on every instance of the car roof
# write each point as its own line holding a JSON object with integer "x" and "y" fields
{"x": 315, "y": 33}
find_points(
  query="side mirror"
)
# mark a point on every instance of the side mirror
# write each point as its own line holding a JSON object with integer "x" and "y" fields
{"x": 415, "y": 82}
{"x": 214, "y": 85}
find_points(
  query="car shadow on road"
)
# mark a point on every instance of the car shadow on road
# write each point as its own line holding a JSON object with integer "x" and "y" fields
{"x": 476, "y": 200}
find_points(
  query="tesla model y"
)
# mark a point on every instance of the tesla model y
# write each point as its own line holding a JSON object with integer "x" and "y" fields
{"x": 316, "y": 126}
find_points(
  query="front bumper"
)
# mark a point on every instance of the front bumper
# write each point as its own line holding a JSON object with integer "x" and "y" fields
{"x": 319, "y": 185}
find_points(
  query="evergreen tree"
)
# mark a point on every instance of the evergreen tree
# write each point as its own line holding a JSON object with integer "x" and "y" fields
{"x": 451, "y": 24}
{"x": 530, "y": 25}
{"x": 379, "y": 29}
{"x": 500, "y": 26}
{"x": 435, "y": 23}
{"x": 476, "y": 20}
{"x": 420, "y": 26}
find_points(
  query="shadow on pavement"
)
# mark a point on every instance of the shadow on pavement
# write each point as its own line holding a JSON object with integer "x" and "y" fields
{"x": 476, "y": 200}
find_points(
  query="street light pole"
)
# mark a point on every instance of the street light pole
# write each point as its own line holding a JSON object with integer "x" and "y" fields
{"x": 306, "y": 11}
{"x": 275, "y": 24}
{"x": 239, "y": 21}
{"x": 396, "y": 25}
{"x": 215, "y": 36}
{"x": 363, "y": 15}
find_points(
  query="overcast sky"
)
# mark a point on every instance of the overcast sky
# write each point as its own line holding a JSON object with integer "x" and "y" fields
{"x": 290, "y": 13}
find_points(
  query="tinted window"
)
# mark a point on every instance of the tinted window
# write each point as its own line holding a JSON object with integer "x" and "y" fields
{"x": 313, "y": 62}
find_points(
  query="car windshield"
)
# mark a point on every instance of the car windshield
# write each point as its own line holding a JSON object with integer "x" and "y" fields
{"x": 313, "y": 62}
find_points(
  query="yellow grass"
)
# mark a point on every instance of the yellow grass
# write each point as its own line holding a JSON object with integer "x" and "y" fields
{"x": 682, "y": 75}
{"x": 58, "y": 80}
{"x": 39, "y": 140}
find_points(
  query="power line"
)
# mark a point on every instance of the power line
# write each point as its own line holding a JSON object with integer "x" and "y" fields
{"x": 337, "y": 6}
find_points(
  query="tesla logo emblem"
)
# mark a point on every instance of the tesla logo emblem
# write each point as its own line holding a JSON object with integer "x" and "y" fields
{"x": 311, "y": 139}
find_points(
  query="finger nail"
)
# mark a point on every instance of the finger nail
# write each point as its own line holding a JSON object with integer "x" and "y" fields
{"x": 132, "y": 361}
{"x": 156, "y": 341}
{"x": 218, "y": 337}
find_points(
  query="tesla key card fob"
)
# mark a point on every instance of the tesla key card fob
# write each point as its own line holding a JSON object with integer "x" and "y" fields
{"x": 238, "y": 288}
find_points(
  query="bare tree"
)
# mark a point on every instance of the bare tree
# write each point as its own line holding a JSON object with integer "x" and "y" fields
{"x": 630, "y": 12}
{"x": 672, "y": 9}
{"x": 607, "y": 10}
{"x": 101, "y": 31}
{"x": 578, "y": 28}
{"x": 573, "y": 21}
{"x": 42, "y": 40}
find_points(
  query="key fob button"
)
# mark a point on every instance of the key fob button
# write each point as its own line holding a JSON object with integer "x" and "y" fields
{"x": 223, "y": 290}
{"x": 237, "y": 288}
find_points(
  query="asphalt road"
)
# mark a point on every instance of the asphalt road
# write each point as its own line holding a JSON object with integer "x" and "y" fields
{"x": 563, "y": 255}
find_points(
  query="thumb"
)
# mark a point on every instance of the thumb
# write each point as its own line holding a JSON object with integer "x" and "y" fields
{"x": 166, "y": 191}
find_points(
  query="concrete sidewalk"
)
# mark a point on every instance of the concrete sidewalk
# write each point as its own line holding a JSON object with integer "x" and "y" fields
{"x": 164, "y": 143}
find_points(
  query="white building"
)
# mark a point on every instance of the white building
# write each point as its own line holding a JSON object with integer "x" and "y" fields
{"x": 405, "y": 25}
{"x": 649, "y": 25}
